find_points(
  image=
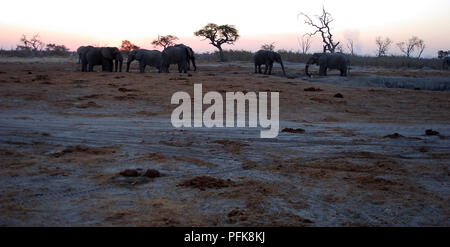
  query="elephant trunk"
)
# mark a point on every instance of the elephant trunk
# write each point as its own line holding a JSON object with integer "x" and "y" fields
{"x": 282, "y": 67}
{"x": 193, "y": 63}
{"x": 307, "y": 68}
{"x": 129, "y": 60}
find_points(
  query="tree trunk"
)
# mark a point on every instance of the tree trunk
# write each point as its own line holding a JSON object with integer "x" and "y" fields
{"x": 222, "y": 57}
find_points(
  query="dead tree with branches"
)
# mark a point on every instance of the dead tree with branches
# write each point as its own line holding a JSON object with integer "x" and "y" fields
{"x": 34, "y": 44}
{"x": 304, "y": 43}
{"x": 322, "y": 27}
{"x": 408, "y": 47}
{"x": 382, "y": 45}
{"x": 351, "y": 46}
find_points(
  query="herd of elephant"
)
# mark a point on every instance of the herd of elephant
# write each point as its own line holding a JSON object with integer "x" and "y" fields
{"x": 183, "y": 56}
{"x": 180, "y": 54}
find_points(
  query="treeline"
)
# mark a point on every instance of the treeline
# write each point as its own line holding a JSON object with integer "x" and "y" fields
{"x": 34, "y": 47}
{"x": 57, "y": 52}
{"x": 355, "y": 60}
{"x": 247, "y": 56}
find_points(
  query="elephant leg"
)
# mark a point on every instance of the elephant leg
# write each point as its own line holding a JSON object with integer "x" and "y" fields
{"x": 91, "y": 68}
{"x": 259, "y": 69}
{"x": 141, "y": 67}
{"x": 270, "y": 69}
{"x": 111, "y": 66}
{"x": 256, "y": 67}
{"x": 182, "y": 67}
{"x": 322, "y": 70}
{"x": 266, "y": 68}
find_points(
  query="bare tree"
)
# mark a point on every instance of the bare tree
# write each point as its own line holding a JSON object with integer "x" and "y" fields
{"x": 268, "y": 47}
{"x": 322, "y": 26}
{"x": 421, "y": 47}
{"x": 304, "y": 43}
{"x": 340, "y": 48}
{"x": 33, "y": 44}
{"x": 407, "y": 47}
{"x": 219, "y": 35}
{"x": 382, "y": 46}
{"x": 351, "y": 46}
{"x": 164, "y": 41}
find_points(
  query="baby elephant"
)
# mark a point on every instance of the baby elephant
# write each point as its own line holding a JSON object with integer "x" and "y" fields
{"x": 328, "y": 61}
{"x": 267, "y": 58}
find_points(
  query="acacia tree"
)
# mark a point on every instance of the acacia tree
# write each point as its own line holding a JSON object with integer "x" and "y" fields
{"x": 165, "y": 41}
{"x": 59, "y": 50}
{"x": 127, "y": 46}
{"x": 268, "y": 47}
{"x": 382, "y": 45}
{"x": 322, "y": 27}
{"x": 408, "y": 47}
{"x": 219, "y": 35}
{"x": 443, "y": 54}
{"x": 304, "y": 43}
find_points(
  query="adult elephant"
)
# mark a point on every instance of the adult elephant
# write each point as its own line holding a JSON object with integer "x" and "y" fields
{"x": 145, "y": 57}
{"x": 103, "y": 56}
{"x": 81, "y": 51}
{"x": 174, "y": 55}
{"x": 328, "y": 61}
{"x": 190, "y": 56}
{"x": 267, "y": 58}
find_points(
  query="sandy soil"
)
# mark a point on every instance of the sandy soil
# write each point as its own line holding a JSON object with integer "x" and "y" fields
{"x": 363, "y": 159}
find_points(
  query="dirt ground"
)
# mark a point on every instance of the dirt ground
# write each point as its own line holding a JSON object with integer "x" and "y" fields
{"x": 361, "y": 158}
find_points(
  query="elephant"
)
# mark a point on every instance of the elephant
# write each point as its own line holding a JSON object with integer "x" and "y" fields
{"x": 174, "y": 55}
{"x": 445, "y": 63}
{"x": 267, "y": 58}
{"x": 145, "y": 57}
{"x": 102, "y": 56}
{"x": 82, "y": 50}
{"x": 328, "y": 61}
{"x": 191, "y": 56}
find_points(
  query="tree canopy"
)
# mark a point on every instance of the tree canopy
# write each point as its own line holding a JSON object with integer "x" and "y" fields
{"x": 219, "y": 35}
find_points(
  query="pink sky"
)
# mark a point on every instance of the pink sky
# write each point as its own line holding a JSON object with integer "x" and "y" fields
{"x": 258, "y": 22}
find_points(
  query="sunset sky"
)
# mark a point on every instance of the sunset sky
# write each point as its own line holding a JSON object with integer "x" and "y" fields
{"x": 82, "y": 22}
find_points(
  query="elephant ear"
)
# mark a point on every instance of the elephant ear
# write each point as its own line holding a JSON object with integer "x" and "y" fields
{"x": 107, "y": 52}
